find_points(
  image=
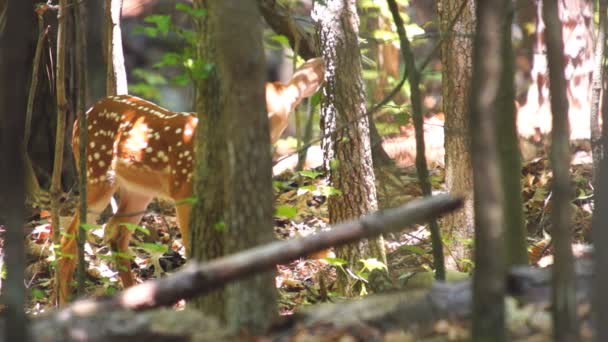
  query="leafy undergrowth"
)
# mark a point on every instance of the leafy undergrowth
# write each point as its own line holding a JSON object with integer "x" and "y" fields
{"x": 302, "y": 210}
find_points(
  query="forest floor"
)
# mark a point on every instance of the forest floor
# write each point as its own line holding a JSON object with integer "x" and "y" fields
{"x": 301, "y": 203}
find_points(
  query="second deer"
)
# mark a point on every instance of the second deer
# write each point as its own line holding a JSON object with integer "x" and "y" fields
{"x": 142, "y": 151}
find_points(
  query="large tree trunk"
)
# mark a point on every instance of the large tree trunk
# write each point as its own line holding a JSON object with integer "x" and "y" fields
{"x": 208, "y": 210}
{"x": 347, "y": 151}
{"x": 457, "y": 61}
{"x": 235, "y": 34}
{"x": 16, "y": 31}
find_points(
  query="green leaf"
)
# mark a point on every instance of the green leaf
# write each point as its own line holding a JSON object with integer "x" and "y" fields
{"x": 110, "y": 290}
{"x": 310, "y": 174}
{"x": 182, "y": 79}
{"x": 186, "y": 8}
{"x": 145, "y": 90}
{"x": 89, "y": 226}
{"x": 316, "y": 99}
{"x": 286, "y": 211}
{"x": 334, "y": 163}
{"x": 190, "y": 200}
{"x": 327, "y": 191}
{"x": 135, "y": 227}
{"x": 154, "y": 247}
{"x": 372, "y": 264}
{"x": 150, "y": 77}
{"x": 281, "y": 39}
{"x": 121, "y": 255}
{"x": 413, "y": 249}
{"x": 200, "y": 69}
{"x": 335, "y": 261}
{"x": 162, "y": 22}
{"x": 169, "y": 59}
{"x": 38, "y": 294}
{"x": 220, "y": 226}
{"x": 148, "y": 31}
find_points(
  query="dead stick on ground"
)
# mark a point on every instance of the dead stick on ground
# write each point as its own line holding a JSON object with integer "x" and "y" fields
{"x": 198, "y": 279}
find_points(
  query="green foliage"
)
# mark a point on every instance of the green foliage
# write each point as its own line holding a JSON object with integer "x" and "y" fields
{"x": 89, "y": 226}
{"x": 220, "y": 226}
{"x": 191, "y": 200}
{"x": 154, "y": 248}
{"x": 183, "y": 62}
{"x": 286, "y": 211}
{"x": 310, "y": 174}
{"x": 37, "y": 294}
{"x": 413, "y": 249}
{"x": 135, "y": 227}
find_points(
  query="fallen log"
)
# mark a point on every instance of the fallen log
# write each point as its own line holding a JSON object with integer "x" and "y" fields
{"x": 408, "y": 315}
{"x": 196, "y": 279}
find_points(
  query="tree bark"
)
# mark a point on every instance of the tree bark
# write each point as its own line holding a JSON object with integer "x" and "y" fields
{"x": 17, "y": 27}
{"x": 457, "y": 62}
{"x": 509, "y": 154}
{"x": 235, "y": 34}
{"x": 116, "y": 76}
{"x": 347, "y": 151}
{"x": 486, "y": 90}
{"x": 564, "y": 300}
{"x": 208, "y": 211}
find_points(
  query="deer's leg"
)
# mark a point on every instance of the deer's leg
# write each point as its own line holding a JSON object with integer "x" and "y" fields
{"x": 118, "y": 231}
{"x": 98, "y": 197}
{"x": 183, "y": 221}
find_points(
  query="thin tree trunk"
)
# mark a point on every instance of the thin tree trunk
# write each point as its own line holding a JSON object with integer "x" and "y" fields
{"x": 509, "y": 154}
{"x": 456, "y": 58}
{"x": 596, "y": 91}
{"x": 347, "y": 151}
{"x": 600, "y": 216}
{"x": 56, "y": 189}
{"x": 417, "y": 116}
{"x": 116, "y": 76}
{"x": 81, "y": 101}
{"x": 486, "y": 90}
{"x": 564, "y": 300}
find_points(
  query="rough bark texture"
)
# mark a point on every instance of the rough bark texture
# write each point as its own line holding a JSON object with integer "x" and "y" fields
{"x": 208, "y": 210}
{"x": 347, "y": 151}
{"x": 457, "y": 59}
{"x": 489, "y": 275}
{"x": 16, "y": 32}
{"x": 596, "y": 91}
{"x": 564, "y": 300}
{"x": 236, "y": 35}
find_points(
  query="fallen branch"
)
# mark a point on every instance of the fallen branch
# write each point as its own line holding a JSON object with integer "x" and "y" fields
{"x": 197, "y": 279}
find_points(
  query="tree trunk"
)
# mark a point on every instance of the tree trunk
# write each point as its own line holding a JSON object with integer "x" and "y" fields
{"x": 208, "y": 211}
{"x": 486, "y": 93}
{"x": 509, "y": 155}
{"x": 234, "y": 33}
{"x": 457, "y": 61}
{"x": 564, "y": 287}
{"x": 17, "y": 27}
{"x": 347, "y": 151}
{"x": 116, "y": 76}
